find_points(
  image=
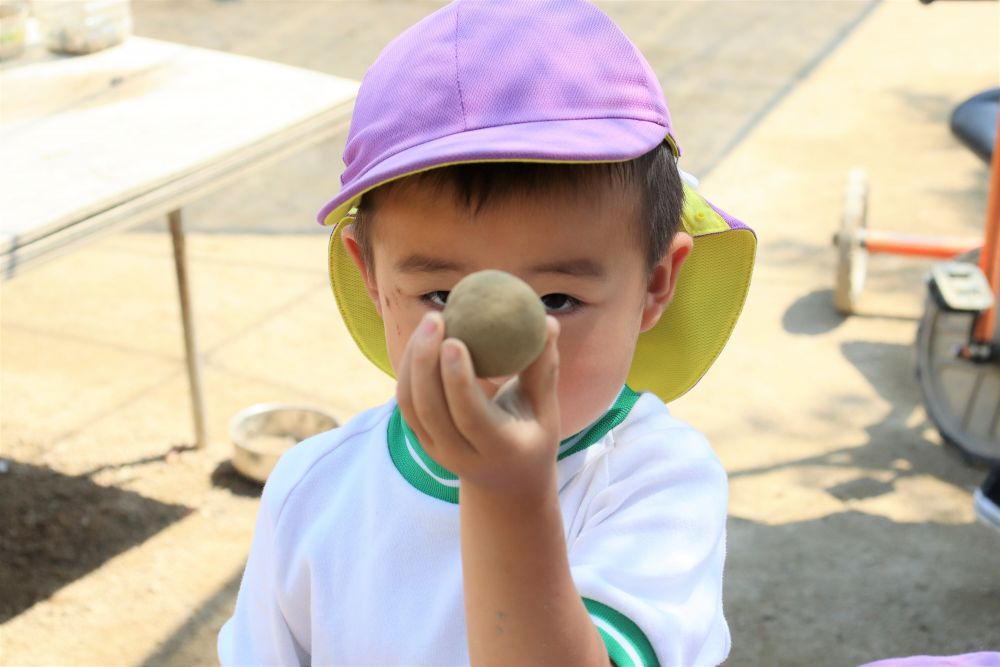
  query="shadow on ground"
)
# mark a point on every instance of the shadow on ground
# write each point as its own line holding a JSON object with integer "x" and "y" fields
{"x": 880, "y": 581}
{"x": 225, "y": 476}
{"x": 56, "y": 528}
{"x": 925, "y": 581}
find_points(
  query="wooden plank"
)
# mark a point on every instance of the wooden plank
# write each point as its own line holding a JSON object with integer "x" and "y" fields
{"x": 157, "y": 203}
{"x": 82, "y": 136}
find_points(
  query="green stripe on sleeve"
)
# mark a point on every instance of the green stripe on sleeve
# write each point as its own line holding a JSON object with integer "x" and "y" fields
{"x": 627, "y": 645}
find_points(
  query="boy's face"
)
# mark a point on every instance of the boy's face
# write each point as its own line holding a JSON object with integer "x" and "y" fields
{"x": 579, "y": 251}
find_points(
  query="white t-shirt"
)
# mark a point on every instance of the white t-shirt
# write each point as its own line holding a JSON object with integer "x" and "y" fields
{"x": 356, "y": 559}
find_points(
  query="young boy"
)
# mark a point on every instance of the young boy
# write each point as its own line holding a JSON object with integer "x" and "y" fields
{"x": 581, "y": 523}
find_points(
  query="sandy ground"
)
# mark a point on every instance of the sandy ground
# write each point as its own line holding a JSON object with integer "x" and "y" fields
{"x": 851, "y": 535}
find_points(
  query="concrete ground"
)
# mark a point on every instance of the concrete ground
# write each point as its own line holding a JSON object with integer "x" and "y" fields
{"x": 723, "y": 66}
{"x": 851, "y": 535}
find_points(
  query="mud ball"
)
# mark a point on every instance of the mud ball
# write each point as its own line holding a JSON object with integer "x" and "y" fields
{"x": 499, "y": 318}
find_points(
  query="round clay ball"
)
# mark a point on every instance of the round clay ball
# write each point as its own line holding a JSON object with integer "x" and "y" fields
{"x": 499, "y": 318}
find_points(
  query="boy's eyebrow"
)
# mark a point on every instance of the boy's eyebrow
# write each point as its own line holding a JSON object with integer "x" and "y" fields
{"x": 418, "y": 263}
{"x": 582, "y": 267}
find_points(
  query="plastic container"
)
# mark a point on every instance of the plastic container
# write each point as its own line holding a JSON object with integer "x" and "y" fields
{"x": 83, "y": 26}
{"x": 13, "y": 25}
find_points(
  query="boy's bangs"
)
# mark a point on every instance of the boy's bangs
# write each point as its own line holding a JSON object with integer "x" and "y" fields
{"x": 476, "y": 185}
{"x": 647, "y": 188}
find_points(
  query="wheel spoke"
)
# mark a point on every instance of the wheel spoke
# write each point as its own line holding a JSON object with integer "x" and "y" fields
{"x": 994, "y": 431}
{"x": 967, "y": 417}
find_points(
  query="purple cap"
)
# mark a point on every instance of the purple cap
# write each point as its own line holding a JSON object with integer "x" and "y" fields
{"x": 552, "y": 80}
{"x": 539, "y": 80}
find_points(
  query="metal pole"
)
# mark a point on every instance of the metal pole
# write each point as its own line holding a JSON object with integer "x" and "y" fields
{"x": 989, "y": 256}
{"x": 190, "y": 342}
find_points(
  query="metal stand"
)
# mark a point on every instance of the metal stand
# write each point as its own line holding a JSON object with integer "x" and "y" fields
{"x": 190, "y": 342}
{"x": 962, "y": 395}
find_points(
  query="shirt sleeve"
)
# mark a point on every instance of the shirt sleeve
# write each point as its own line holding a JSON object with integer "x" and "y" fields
{"x": 649, "y": 556}
{"x": 258, "y": 633}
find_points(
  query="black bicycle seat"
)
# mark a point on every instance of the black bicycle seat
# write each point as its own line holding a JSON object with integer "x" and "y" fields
{"x": 974, "y": 122}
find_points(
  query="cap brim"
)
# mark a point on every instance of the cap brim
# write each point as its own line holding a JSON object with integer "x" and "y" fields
{"x": 675, "y": 354}
{"x": 549, "y": 141}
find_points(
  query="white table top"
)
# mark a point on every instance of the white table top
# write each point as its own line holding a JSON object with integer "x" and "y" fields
{"x": 140, "y": 123}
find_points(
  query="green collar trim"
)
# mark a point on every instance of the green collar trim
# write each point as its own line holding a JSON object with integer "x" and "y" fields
{"x": 427, "y": 475}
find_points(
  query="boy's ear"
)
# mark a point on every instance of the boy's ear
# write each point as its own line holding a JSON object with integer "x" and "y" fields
{"x": 354, "y": 250}
{"x": 663, "y": 280}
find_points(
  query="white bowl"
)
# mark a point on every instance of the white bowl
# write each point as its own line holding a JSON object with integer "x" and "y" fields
{"x": 265, "y": 431}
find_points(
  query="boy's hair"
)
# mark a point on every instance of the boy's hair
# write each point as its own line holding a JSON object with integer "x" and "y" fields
{"x": 652, "y": 178}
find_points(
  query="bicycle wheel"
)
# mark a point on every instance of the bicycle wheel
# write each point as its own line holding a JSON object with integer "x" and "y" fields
{"x": 852, "y": 258}
{"x": 962, "y": 397}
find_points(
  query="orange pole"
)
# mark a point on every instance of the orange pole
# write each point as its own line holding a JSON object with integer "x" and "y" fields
{"x": 989, "y": 257}
{"x": 939, "y": 247}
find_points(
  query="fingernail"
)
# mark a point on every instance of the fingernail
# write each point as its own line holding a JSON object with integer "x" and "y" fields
{"x": 427, "y": 326}
{"x": 449, "y": 355}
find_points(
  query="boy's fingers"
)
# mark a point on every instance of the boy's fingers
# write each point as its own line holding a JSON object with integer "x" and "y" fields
{"x": 470, "y": 409}
{"x": 404, "y": 395}
{"x": 540, "y": 380}
{"x": 428, "y": 395}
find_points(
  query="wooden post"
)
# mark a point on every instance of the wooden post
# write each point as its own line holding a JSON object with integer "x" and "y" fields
{"x": 190, "y": 342}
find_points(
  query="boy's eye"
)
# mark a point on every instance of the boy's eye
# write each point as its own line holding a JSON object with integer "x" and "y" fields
{"x": 560, "y": 303}
{"x": 557, "y": 303}
{"x": 437, "y": 299}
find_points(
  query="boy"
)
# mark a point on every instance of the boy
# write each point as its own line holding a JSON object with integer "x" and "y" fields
{"x": 442, "y": 529}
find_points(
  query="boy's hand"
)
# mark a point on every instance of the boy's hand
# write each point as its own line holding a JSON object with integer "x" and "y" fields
{"x": 504, "y": 441}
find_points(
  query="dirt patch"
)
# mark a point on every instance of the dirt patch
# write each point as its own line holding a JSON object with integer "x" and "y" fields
{"x": 56, "y": 528}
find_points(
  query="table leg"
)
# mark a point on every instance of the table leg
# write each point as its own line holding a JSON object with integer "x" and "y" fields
{"x": 190, "y": 342}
